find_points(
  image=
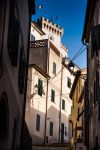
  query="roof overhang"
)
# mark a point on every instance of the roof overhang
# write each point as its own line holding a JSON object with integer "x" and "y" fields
{"x": 40, "y": 71}
{"x": 88, "y": 20}
{"x": 37, "y": 28}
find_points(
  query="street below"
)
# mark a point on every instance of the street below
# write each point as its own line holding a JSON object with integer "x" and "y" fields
{"x": 50, "y": 148}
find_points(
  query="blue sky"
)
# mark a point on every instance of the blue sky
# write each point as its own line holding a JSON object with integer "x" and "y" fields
{"x": 71, "y": 15}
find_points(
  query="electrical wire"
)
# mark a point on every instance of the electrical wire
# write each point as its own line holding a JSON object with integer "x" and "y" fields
{"x": 77, "y": 53}
{"x": 80, "y": 53}
{"x": 56, "y": 74}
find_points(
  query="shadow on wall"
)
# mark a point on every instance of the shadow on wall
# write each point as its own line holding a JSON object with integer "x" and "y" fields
{"x": 35, "y": 126}
{"x": 52, "y": 134}
{"x": 53, "y": 116}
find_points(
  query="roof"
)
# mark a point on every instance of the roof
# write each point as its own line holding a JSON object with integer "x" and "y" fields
{"x": 88, "y": 18}
{"x": 37, "y": 28}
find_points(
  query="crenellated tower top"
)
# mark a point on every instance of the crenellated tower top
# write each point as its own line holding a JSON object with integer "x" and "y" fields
{"x": 46, "y": 24}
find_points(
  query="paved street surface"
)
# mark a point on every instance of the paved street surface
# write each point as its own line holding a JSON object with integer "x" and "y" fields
{"x": 49, "y": 148}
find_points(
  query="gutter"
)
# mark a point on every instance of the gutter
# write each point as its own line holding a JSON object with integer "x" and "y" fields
{"x": 88, "y": 17}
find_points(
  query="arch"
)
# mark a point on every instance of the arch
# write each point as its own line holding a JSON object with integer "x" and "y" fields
{"x": 60, "y": 33}
{"x": 55, "y": 31}
{"x": 50, "y": 28}
{"x": 4, "y": 116}
{"x": 47, "y": 26}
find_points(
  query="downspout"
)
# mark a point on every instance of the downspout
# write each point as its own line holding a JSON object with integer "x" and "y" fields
{"x": 60, "y": 106}
{"x": 46, "y": 113}
{"x": 47, "y": 93}
{"x": 87, "y": 144}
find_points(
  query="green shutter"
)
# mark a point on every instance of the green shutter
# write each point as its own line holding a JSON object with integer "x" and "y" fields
{"x": 39, "y": 87}
{"x": 51, "y": 128}
{"x": 63, "y": 104}
{"x": 52, "y": 95}
{"x": 69, "y": 82}
{"x": 38, "y": 123}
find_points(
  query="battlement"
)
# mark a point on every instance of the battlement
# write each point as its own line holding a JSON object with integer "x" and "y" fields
{"x": 50, "y": 26}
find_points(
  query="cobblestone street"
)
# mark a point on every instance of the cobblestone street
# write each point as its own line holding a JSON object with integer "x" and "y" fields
{"x": 49, "y": 148}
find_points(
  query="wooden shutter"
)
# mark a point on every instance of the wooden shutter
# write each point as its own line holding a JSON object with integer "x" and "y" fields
{"x": 63, "y": 104}
{"x": 39, "y": 87}
{"x": 52, "y": 95}
{"x": 51, "y": 128}
{"x": 38, "y": 123}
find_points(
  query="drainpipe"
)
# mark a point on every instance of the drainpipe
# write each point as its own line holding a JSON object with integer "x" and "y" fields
{"x": 46, "y": 113}
{"x": 47, "y": 93}
{"x": 60, "y": 106}
{"x": 87, "y": 96}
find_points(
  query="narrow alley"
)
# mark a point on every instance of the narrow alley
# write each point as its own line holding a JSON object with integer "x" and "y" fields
{"x": 49, "y": 74}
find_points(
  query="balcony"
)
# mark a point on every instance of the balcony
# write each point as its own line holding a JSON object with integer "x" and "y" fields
{"x": 38, "y": 56}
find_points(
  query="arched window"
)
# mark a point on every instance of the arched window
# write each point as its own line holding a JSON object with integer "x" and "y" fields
{"x": 55, "y": 31}
{"x": 47, "y": 26}
{"x": 44, "y": 25}
{"x": 3, "y": 116}
{"x": 50, "y": 28}
{"x": 60, "y": 33}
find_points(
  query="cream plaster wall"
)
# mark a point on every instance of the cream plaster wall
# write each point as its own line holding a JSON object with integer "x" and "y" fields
{"x": 38, "y": 104}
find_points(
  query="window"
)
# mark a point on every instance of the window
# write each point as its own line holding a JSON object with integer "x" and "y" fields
{"x": 69, "y": 82}
{"x": 40, "y": 87}
{"x": 52, "y": 38}
{"x": 32, "y": 38}
{"x": 54, "y": 68}
{"x": 51, "y": 128}
{"x": 38, "y": 122}
{"x": 63, "y": 104}
{"x": 65, "y": 131}
{"x": 52, "y": 95}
